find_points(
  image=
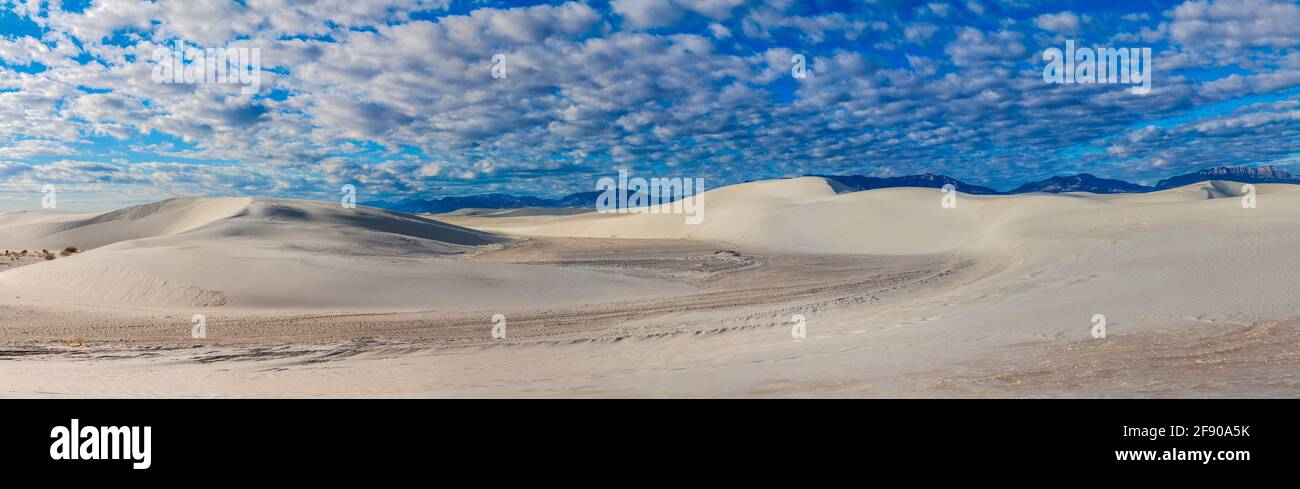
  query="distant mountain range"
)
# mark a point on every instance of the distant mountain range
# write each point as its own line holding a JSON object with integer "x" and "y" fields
{"x": 485, "y": 201}
{"x": 857, "y": 183}
{"x": 1243, "y": 174}
{"x": 1082, "y": 182}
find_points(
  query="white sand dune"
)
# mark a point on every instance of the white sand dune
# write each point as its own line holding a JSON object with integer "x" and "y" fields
{"x": 901, "y": 296}
{"x": 807, "y": 215}
{"x": 279, "y": 254}
{"x": 1163, "y": 256}
{"x": 56, "y": 230}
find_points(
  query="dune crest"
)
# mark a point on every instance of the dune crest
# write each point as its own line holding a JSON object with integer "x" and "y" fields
{"x": 807, "y": 215}
{"x": 171, "y": 216}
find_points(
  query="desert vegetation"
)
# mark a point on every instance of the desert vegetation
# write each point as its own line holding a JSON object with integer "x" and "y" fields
{"x": 44, "y": 254}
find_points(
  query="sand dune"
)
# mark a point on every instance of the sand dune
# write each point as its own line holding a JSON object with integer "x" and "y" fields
{"x": 807, "y": 215}
{"x": 54, "y": 230}
{"x": 1207, "y": 190}
{"x": 902, "y": 297}
{"x": 1143, "y": 260}
{"x": 278, "y": 254}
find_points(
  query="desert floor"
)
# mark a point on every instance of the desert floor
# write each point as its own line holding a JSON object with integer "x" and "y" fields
{"x": 900, "y": 298}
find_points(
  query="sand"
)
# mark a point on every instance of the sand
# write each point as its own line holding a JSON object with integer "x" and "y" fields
{"x": 901, "y": 297}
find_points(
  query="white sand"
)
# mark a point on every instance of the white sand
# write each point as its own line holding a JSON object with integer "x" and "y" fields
{"x": 245, "y": 253}
{"x": 1200, "y": 297}
{"x": 1152, "y": 258}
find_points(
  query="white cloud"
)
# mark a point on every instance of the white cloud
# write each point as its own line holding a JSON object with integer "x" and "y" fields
{"x": 920, "y": 32}
{"x": 644, "y": 14}
{"x": 365, "y": 94}
{"x": 1063, "y": 22}
{"x": 719, "y": 31}
{"x": 1236, "y": 23}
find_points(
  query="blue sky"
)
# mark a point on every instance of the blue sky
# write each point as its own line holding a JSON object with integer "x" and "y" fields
{"x": 397, "y": 97}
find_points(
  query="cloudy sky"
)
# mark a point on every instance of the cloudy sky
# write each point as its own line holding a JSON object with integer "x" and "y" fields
{"x": 398, "y": 96}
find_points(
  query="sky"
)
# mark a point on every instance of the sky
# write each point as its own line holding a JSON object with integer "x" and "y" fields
{"x": 400, "y": 98}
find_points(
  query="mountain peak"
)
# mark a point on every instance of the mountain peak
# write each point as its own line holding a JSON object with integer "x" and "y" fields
{"x": 1083, "y": 182}
{"x": 1242, "y": 174}
{"x": 855, "y": 183}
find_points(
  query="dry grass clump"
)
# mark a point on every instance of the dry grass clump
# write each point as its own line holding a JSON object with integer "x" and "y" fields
{"x": 45, "y": 254}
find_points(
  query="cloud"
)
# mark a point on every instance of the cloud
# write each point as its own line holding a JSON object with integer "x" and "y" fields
{"x": 973, "y": 47}
{"x": 719, "y": 31}
{"x": 35, "y": 147}
{"x": 1063, "y": 22}
{"x": 643, "y": 14}
{"x": 399, "y": 97}
{"x": 1236, "y": 23}
{"x": 919, "y": 33}
{"x": 815, "y": 29}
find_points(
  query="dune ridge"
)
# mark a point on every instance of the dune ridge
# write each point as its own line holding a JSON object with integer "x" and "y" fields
{"x": 1051, "y": 261}
{"x": 999, "y": 296}
{"x": 272, "y": 253}
{"x": 810, "y": 215}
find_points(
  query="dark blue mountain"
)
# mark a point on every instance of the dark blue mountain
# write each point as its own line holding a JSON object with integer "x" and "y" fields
{"x": 1082, "y": 182}
{"x": 857, "y": 183}
{"x": 486, "y": 201}
{"x": 448, "y": 204}
{"x": 1241, "y": 174}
